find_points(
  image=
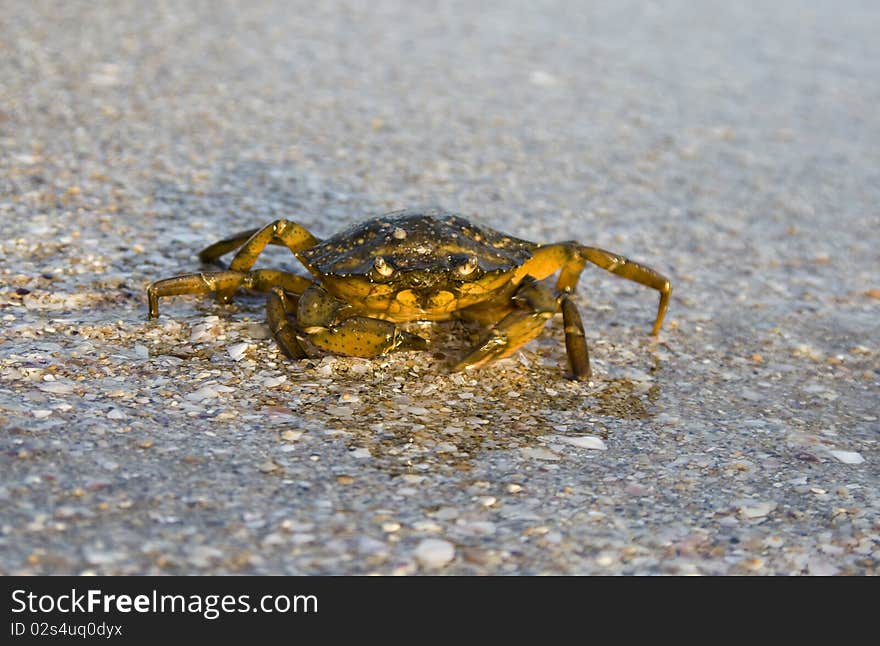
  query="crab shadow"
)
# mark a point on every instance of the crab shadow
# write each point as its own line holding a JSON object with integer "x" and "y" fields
{"x": 458, "y": 441}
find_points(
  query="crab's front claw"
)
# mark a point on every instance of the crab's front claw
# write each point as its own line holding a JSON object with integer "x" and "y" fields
{"x": 489, "y": 348}
{"x": 535, "y": 304}
{"x": 360, "y": 336}
{"x": 509, "y": 335}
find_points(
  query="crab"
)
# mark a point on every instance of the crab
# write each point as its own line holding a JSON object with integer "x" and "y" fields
{"x": 409, "y": 266}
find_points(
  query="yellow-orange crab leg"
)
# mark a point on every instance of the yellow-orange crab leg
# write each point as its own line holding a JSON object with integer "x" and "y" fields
{"x": 633, "y": 271}
{"x": 280, "y": 232}
{"x": 280, "y": 308}
{"x": 212, "y": 253}
{"x": 206, "y": 282}
{"x": 569, "y": 258}
{"x": 283, "y": 232}
{"x": 575, "y": 340}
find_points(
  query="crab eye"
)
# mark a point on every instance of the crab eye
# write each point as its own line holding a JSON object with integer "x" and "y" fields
{"x": 382, "y": 267}
{"x": 467, "y": 267}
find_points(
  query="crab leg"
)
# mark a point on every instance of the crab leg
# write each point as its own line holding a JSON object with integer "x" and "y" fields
{"x": 206, "y": 282}
{"x": 279, "y": 308}
{"x": 569, "y": 258}
{"x": 575, "y": 340}
{"x": 288, "y": 234}
{"x": 283, "y": 232}
{"x": 250, "y": 245}
{"x": 630, "y": 270}
{"x": 212, "y": 253}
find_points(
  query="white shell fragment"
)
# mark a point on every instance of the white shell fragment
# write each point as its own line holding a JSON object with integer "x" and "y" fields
{"x": 757, "y": 510}
{"x": 57, "y": 387}
{"x": 848, "y": 457}
{"x": 237, "y": 350}
{"x": 582, "y": 441}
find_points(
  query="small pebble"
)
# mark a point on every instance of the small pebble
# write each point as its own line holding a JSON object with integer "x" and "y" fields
{"x": 446, "y": 513}
{"x": 477, "y": 528}
{"x": 204, "y": 555}
{"x": 635, "y": 489}
{"x": 848, "y": 457}
{"x": 446, "y": 447}
{"x": 102, "y": 557}
{"x": 427, "y": 526}
{"x": 268, "y": 466}
{"x": 258, "y": 331}
{"x": 204, "y": 392}
{"x": 538, "y": 453}
{"x": 207, "y": 391}
{"x": 542, "y": 79}
{"x": 606, "y": 559}
{"x": 340, "y": 411}
{"x": 434, "y": 553}
{"x": 757, "y": 509}
{"x": 754, "y": 563}
{"x": 821, "y": 567}
{"x": 368, "y": 546}
{"x": 56, "y": 387}
{"x": 553, "y": 537}
{"x": 582, "y": 441}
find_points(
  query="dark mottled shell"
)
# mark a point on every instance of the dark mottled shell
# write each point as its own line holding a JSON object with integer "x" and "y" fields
{"x": 414, "y": 240}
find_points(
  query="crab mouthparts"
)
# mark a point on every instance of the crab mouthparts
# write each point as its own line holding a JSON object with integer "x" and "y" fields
{"x": 422, "y": 279}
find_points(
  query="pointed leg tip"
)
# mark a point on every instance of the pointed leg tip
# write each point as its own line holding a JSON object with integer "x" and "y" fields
{"x": 408, "y": 341}
{"x": 152, "y": 308}
{"x": 582, "y": 377}
{"x": 293, "y": 353}
{"x": 658, "y": 324}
